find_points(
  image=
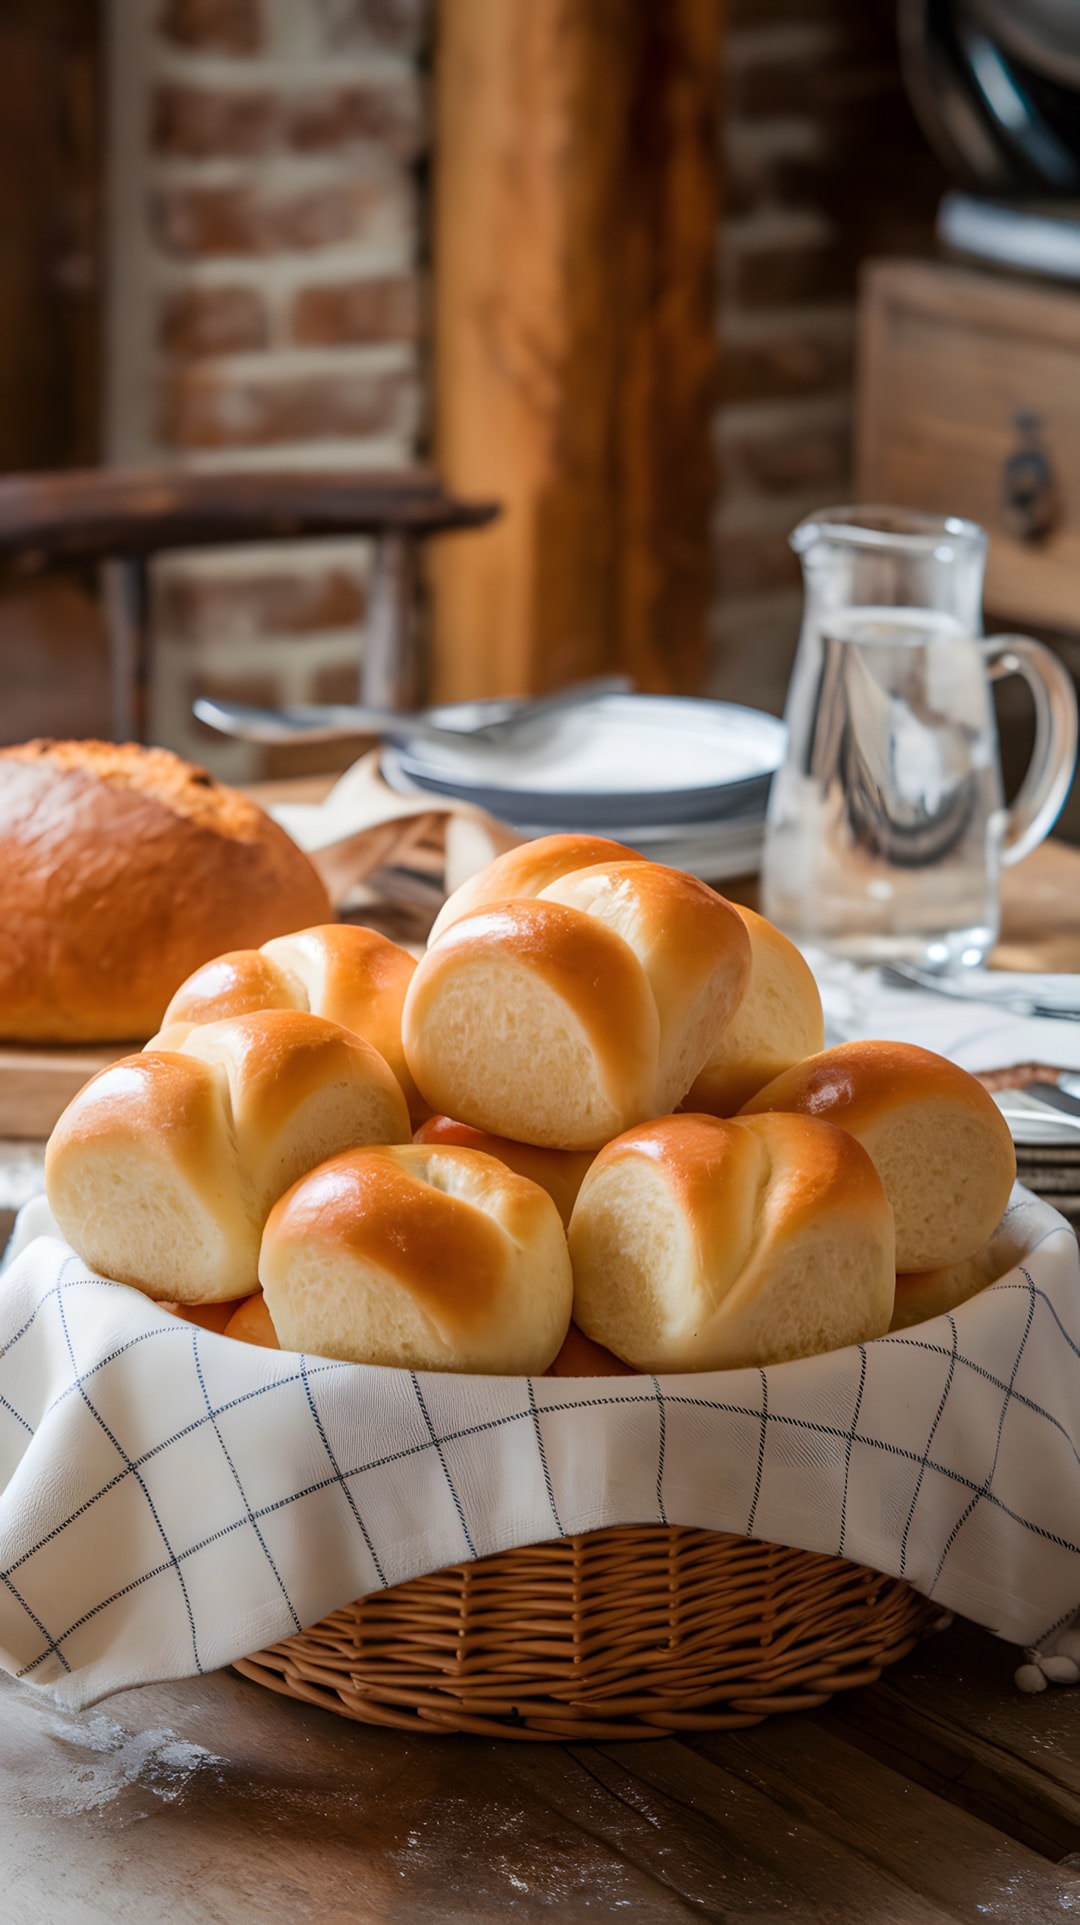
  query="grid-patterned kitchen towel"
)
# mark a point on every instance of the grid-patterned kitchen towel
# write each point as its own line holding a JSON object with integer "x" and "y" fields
{"x": 171, "y": 1499}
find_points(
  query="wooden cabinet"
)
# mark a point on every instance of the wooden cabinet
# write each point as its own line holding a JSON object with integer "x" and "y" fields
{"x": 969, "y": 404}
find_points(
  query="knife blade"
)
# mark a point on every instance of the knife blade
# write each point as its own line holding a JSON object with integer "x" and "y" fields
{"x": 1054, "y": 1097}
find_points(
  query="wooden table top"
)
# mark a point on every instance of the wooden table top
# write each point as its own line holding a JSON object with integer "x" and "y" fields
{"x": 939, "y": 1793}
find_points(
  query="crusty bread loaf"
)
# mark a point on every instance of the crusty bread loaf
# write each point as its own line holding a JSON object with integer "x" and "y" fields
{"x": 350, "y": 975}
{"x": 937, "y": 1138}
{"x": 428, "y": 1258}
{"x": 562, "y": 1019}
{"x": 526, "y": 871}
{"x": 162, "y": 1170}
{"x": 699, "y": 1244}
{"x": 559, "y": 1172}
{"x": 121, "y": 870}
{"x": 778, "y": 1022}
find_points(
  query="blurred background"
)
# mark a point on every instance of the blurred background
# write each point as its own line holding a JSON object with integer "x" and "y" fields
{"x": 658, "y": 276}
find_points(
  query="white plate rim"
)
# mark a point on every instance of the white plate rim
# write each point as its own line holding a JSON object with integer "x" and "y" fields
{"x": 608, "y": 807}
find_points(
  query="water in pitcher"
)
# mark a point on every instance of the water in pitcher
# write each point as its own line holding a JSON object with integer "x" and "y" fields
{"x": 886, "y": 822}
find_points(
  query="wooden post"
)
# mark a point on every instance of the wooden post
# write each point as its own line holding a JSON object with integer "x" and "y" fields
{"x": 574, "y": 251}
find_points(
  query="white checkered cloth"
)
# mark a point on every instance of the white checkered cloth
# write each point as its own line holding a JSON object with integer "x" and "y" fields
{"x": 171, "y": 1500}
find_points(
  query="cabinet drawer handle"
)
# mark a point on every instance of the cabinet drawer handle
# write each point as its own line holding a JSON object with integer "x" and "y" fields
{"x": 1030, "y": 499}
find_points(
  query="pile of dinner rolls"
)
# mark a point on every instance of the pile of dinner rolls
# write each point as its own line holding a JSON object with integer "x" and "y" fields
{"x": 593, "y": 1130}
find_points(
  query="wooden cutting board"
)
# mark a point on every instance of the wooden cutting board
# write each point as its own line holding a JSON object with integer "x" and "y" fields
{"x": 36, "y": 1084}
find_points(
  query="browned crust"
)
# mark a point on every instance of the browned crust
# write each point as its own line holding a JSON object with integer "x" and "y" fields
{"x": 122, "y": 869}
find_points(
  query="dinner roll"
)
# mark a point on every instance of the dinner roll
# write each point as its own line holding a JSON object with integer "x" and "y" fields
{"x": 699, "y": 1244}
{"x": 208, "y": 1316}
{"x": 428, "y": 1258}
{"x": 581, "y": 1357}
{"x": 777, "y": 1022}
{"x": 251, "y": 1322}
{"x": 525, "y": 871}
{"x": 161, "y": 1171}
{"x": 930, "y": 1293}
{"x": 121, "y": 870}
{"x": 563, "y": 1019}
{"x": 937, "y": 1138}
{"x": 352, "y": 976}
{"x": 559, "y": 1172}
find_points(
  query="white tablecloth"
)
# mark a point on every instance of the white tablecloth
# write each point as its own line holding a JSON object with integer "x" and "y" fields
{"x": 977, "y": 1031}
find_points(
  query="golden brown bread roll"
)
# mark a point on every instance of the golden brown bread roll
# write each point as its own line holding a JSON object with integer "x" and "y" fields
{"x": 426, "y": 1258}
{"x": 251, "y": 1322}
{"x": 559, "y": 1172}
{"x": 930, "y": 1293}
{"x": 162, "y": 1170}
{"x": 352, "y": 976}
{"x": 525, "y": 871}
{"x": 778, "y": 1022}
{"x": 562, "y": 1019}
{"x": 937, "y": 1138}
{"x": 208, "y": 1316}
{"x": 581, "y": 1357}
{"x": 704, "y": 1245}
{"x": 121, "y": 870}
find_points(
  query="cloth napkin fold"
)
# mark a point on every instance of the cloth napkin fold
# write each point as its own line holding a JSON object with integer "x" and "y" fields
{"x": 171, "y": 1500}
{"x": 363, "y": 824}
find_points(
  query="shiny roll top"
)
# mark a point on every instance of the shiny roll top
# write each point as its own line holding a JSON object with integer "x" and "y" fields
{"x": 699, "y": 1244}
{"x": 777, "y": 1022}
{"x": 162, "y": 1170}
{"x": 425, "y": 1257}
{"x": 561, "y": 1018}
{"x": 349, "y": 975}
{"x": 936, "y": 1136}
{"x": 527, "y": 871}
{"x": 777, "y": 1019}
{"x": 559, "y": 1172}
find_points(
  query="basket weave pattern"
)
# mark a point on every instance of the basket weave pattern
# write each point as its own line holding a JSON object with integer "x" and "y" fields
{"x": 626, "y": 1632}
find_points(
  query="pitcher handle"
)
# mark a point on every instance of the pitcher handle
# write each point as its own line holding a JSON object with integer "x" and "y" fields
{"x": 1042, "y": 793}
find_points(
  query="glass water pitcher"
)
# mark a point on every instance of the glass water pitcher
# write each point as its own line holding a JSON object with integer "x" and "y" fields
{"x": 887, "y": 826}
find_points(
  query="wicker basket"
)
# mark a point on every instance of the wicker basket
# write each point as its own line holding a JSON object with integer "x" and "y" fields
{"x": 622, "y": 1633}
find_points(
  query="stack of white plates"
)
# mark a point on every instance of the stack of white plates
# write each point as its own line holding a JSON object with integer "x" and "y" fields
{"x": 683, "y": 780}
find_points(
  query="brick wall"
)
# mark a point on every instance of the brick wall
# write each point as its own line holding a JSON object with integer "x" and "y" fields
{"x": 266, "y": 302}
{"x": 823, "y": 165}
{"x": 265, "y": 299}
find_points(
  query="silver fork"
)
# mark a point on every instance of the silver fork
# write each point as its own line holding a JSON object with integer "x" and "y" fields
{"x": 910, "y": 976}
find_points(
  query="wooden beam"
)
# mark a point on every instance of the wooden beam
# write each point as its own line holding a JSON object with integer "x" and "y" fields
{"x": 574, "y": 250}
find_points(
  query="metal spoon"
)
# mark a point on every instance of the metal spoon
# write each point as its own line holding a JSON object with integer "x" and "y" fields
{"x": 313, "y": 722}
